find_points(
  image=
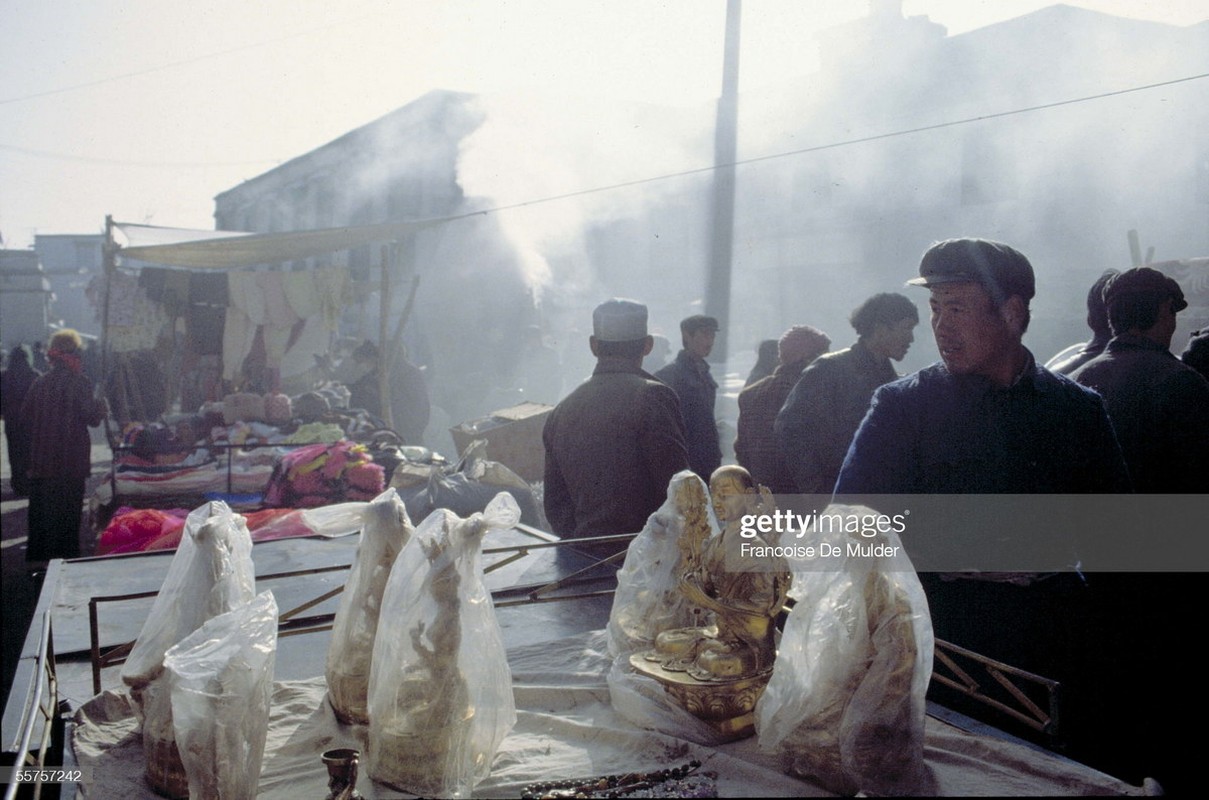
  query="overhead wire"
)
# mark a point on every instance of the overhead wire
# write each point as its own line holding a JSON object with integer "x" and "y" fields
{"x": 848, "y": 142}
{"x": 672, "y": 175}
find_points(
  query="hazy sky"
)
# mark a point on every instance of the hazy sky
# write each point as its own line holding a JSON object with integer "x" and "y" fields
{"x": 146, "y": 110}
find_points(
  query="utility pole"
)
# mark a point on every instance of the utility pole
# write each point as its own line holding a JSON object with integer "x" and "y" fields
{"x": 722, "y": 217}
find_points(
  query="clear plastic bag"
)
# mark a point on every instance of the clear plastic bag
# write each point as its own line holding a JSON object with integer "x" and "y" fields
{"x": 221, "y": 684}
{"x": 336, "y": 520}
{"x": 440, "y": 690}
{"x": 466, "y": 487}
{"x": 845, "y": 705}
{"x": 211, "y": 573}
{"x": 648, "y": 600}
{"x": 384, "y": 530}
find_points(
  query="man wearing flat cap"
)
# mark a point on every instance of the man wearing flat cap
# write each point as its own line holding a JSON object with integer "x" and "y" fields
{"x": 1158, "y": 405}
{"x": 689, "y": 376}
{"x": 988, "y": 419}
{"x": 614, "y": 443}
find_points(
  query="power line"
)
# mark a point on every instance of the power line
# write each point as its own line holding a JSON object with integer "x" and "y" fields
{"x": 847, "y": 142}
{"x": 655, "y": 178}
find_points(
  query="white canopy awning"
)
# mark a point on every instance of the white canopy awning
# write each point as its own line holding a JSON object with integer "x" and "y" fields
{"x": 200, "y": 249}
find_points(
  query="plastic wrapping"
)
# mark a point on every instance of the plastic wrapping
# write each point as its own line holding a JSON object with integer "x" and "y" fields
{"x": 647, "y": 599}
{"x": 221, "y": 684}
{"x": 385, "y": 529}
{"x": 211, "y": 573}
{"x": 440, "y": 690}
{"x": 647, "y": 602}
{"x": 335, "y": 520}
{"x": 845, "y": 705}
{"x": 465, "y": 487}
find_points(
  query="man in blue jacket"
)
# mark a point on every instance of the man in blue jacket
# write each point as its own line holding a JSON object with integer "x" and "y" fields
{"x": 988, "y": 419}
{"x": 689, "y": 377}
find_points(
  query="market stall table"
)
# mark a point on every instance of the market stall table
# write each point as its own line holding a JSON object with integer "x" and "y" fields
{"x": 558, "y": 656}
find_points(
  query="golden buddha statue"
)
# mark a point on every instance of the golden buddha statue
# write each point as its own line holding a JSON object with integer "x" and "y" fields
{"x": 719, "y": 671}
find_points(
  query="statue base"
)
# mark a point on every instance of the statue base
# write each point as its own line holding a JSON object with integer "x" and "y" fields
{"x": 725, "y": 704}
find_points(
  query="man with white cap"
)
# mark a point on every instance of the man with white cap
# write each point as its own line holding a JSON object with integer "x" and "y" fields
{"x": 614, "y": 443}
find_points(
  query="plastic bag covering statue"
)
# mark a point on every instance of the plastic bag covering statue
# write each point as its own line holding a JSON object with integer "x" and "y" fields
{"x": 440, "y": 690}
{"x": 211, "y": 573}
{"x": 648, "y": 601}
{"x": 716, "y": 666}
{"x": 743, "y": 594}
{"x": 386, "y": 528}
{"x": 845, "y": 704}
{"x": 221, "y": 684}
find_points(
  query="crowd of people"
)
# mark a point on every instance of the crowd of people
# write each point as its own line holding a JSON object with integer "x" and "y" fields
{"x": 1119, "y": 413}
{"x": 986, "y": 418}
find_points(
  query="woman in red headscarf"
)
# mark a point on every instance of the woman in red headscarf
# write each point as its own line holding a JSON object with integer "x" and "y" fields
{"x": 58, "y": 410}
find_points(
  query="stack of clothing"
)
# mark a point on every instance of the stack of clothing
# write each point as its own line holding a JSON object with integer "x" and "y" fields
{"x": 321, "y": 474}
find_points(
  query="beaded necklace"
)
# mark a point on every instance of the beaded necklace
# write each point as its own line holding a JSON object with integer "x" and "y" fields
{"x": 621, "y": 785}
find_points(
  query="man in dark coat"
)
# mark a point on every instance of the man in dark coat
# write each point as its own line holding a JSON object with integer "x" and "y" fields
{"x": 821, "y": 412}
{"x": 689, "y": 377}
{"x": 1158, "y": 405}
{"x": 615, "y": 442}
{"x": 14, "y": 384}
{"x": 59, "y": 409}
{"x": 988, "y": 419}
{"x": 1196, "y": 352}
{"x": 756, "y": 442}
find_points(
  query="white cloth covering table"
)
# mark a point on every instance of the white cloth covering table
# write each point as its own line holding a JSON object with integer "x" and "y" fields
{"x": 566, "y": 728}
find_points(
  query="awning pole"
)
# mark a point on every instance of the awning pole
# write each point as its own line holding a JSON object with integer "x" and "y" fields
{"x": 109, "y": 268}
{"x": 384, "y": 360}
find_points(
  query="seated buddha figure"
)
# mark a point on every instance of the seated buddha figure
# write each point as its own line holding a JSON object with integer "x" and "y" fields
{"x": 744, "y": 596}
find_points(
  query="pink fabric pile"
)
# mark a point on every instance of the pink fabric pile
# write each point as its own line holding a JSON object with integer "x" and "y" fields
{"x": 322, "y": 474}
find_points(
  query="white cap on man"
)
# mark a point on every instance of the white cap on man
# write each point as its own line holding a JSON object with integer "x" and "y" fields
{"x": 619, "y": 320}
